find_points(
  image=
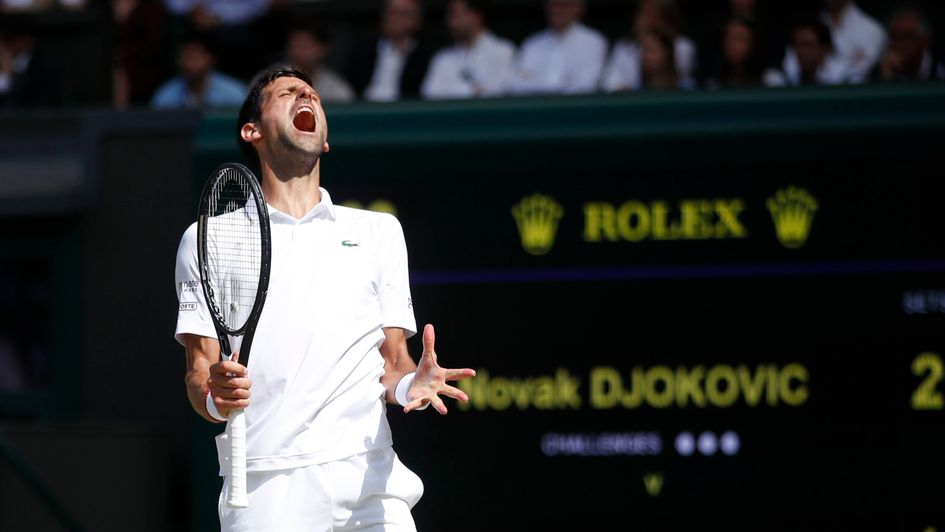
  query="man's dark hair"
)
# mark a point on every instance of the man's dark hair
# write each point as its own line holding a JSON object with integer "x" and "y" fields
{"x": 311, "y": 26}
{"x": 250, "y": 110}
{"x": 201, "y": 39}
{"x": 820, "y": 29}
{"x": 479, "y": 6}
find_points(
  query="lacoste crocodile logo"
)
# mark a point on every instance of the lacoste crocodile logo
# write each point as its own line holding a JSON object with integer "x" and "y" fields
{"x": 350, "y": 244}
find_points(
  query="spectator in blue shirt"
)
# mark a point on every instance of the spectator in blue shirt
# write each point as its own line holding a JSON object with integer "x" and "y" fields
{"x": 198, "y": 84}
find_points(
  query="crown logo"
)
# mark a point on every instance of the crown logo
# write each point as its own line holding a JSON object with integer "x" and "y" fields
{"x": 537, "y": 219}
{"x": 653, "y": 483}
{"x": 792, "y": 210}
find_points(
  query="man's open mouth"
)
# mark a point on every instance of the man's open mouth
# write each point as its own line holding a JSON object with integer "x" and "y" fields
{"x": 304, "y": 119}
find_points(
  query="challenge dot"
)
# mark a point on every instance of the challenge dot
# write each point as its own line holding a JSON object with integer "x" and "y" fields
{"x": 730, "y": 443}
{"x": 708, "y": 443}
{"x": 685, "y": 443}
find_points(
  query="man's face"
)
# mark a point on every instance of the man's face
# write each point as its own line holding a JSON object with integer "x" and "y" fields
{"x": 400, "y": 19}
{"x": 810, "y": 52}
{"x": 194, "y": 61}
{"x": 654, "y": 57}
{"x": 462, "y": 22}
{"x": 292, "y": 121}
{"x": 562, "y": 13}
{"x": 906, "y": 39}
{"x": 303, "y": 51}
{"x": 737, "y": 43}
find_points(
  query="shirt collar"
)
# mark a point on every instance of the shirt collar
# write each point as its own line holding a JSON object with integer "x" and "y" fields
{"x": 850, "y": 14}
{"x": 385, "y": 45}
{"x": 477, "y": 42}
{"x": 324, "y": 210}
{"x": 568, "y": 32}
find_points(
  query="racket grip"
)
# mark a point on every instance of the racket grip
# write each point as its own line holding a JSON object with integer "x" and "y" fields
{"x": 237, "y": 497}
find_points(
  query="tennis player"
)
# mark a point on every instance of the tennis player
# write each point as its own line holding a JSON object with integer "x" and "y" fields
{"x": 330, "y": 347}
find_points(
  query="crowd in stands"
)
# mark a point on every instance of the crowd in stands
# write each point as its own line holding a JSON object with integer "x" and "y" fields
{"x": 204, "y": 53}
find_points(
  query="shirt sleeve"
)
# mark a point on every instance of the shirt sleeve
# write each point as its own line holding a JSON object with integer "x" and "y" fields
{"x": 394, "y": 294}
{"x": 587, "y": 71}
{"x": 193, "y": 317}
{"x": 523, "y": 77}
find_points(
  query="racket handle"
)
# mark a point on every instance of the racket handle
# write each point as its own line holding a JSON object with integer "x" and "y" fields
{"x": 237, "y": 497}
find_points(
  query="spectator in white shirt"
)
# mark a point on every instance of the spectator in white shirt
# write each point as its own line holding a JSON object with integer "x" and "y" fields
{"x": 815, "y": 62}
{"x": 566, "y": 58}
{"x": 477, "y": 65}
{"x": 858, "y": 39}
{"x": 391, "y": 66}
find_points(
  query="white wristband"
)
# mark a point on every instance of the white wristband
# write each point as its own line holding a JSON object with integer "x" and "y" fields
{"x": 400, "y": 393}
{"x": 212, "y": 409}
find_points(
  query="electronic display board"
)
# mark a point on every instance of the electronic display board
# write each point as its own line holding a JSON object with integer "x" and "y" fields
{"x": 665, "y": 351}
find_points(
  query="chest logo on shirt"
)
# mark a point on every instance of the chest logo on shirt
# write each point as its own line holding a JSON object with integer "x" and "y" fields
{"x": 350, "y": 244}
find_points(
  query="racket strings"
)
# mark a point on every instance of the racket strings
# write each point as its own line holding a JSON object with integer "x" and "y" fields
{"x": 234, "y": 248}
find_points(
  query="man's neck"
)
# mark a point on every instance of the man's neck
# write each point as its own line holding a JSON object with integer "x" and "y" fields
{"x": 562, "y": 31}
{"x": 293, "y": 192}
{"x": 470, "y": 41}
{"x": 401, "y": 44}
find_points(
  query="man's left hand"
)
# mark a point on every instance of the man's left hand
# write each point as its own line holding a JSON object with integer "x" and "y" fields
{"x": 431, "y": 380}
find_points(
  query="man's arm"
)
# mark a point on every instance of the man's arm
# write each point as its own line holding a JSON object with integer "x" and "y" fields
{"x": 430, "y": 381}
{"x": 225, "y": 380}
{"x": 397, "y": 361}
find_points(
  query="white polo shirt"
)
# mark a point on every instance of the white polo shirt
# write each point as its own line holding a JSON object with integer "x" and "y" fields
{"x": 565, "y": 63}
{"x": 338, "y": 276}
{"x": 471, "y": 71}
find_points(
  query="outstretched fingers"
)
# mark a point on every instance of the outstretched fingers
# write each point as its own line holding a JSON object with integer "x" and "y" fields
{"x": 457, "y": 374}
{"x": 429, "y": 338}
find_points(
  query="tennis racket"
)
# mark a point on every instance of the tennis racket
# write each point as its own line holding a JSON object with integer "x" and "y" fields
{"x": 234, "y": 253}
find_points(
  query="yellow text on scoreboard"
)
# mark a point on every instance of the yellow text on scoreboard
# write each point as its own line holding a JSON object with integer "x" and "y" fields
{"x": 659, "y": 386}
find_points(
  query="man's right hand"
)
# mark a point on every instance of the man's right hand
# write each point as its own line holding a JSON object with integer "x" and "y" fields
{"x": 229, "y": 386}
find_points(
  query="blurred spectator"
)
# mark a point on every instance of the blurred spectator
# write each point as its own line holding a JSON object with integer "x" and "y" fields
{"x": 768, "y": 38}
{"x": 198, "y": 84}
{"x": 139, "y": 52}
{"x": 624, "y": 69}
{"x": 14, "y": 6}
{"x": 234, "y": 27}
{"x": 566, "y": 58}
{"x": 307, "y": 47}
{"x": 815, "y": 61}
{"x": 740, "y": 64}
{"x": 858, "y": 40}
{"x": 658, "y": 61}
{"x": 908, "y": 57}
{"x": 28, "y": 76}
{"x": 477, "y": 65}
{"x": 12, "y": 376}
{"x": 392, "y": 66}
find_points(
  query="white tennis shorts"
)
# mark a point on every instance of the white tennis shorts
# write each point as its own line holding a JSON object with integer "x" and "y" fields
{"x": 372, "y": 491}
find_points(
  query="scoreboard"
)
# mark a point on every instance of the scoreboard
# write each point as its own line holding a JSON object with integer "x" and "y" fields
{"x": 698, "y": 311}
{"x": 646, "y": 345}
